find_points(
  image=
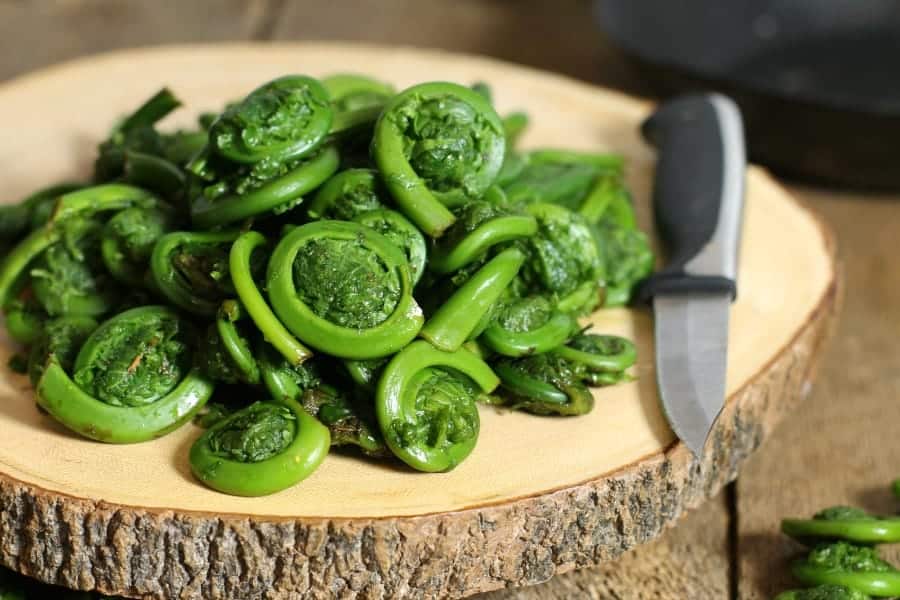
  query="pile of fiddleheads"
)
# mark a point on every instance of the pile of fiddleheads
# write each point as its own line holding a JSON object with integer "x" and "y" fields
{"x": 333, "y": 263}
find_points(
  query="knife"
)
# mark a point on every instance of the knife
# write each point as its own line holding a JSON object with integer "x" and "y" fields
{"x": 698, "y": 200}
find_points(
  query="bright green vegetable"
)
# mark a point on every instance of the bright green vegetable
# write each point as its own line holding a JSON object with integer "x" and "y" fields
{"x": 437, "y": 144}
{"x": 856, "y": 567}
{"x": 544, "y": 384}
{"x": 230, "y": 193}
{"x": 132, "y": 380}
{"x": 425, "y": 404}
{"x": 281, "y": 120}
{"x": 225, "y": 353}
{"x": 260, "y": 450}
{"x": 344, "y": 289}
{"x": 479, "y": 226}
{"x": 68, "y": 277}
{"x": 564, "y": 261}
{"x": 844, "y": 523}
{"x": 459, "y": 316}
{"x": 603, "y": 358}
{"x": 823, "y": 592}
{"x": 528, "y": 326}
{"x": 396, "y": 228}
{"x": 127, "y": 242}
{"x": 349, "y": 194}
{"x": 191, "y": 269}
{"x": 240, "y": 260}
{"x": 316, "y": 216}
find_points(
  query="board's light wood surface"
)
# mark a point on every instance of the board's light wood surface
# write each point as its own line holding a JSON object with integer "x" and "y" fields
{"x": 785, "y": 272}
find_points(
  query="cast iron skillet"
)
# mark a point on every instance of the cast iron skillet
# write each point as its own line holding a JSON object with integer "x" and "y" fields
{"x": 818, "y": 81}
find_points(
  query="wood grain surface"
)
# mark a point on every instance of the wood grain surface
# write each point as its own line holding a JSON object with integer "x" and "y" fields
{"x": 849, "y": 418}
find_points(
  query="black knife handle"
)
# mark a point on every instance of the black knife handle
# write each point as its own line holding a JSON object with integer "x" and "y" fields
{"x": 698, "y": 193}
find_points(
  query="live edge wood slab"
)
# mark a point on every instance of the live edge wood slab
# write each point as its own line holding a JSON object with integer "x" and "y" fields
{"x": 539, "y": 496}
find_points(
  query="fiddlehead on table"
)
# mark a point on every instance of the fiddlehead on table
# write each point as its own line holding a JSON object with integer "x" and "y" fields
{"x": 425, "y": 404}
{"x": 843, "y": 523}
{"x": 457, "y": 318}
{"x": 132, "y": 379}
{"x": 525, "y": 326}
{"x": 857, "y": 567}
{"x": 403, "y": 234}
{"x": 225, "y": 353}
{"x": 602, "y": 359}
{"x": 349, "y": 194}
{"x": 344, "y": 289}
{"x": 544, "y": 384}
{"x": 241, "y": 263}
{"x": 225, "y": 193}
{"x": 261, "y": 449}
{"x": 564, "y": 261}
{"x": 437, "y": 145}
{"x": 357, "y": 100}
{"x": 128, "y": 239}
{"x": 191, "y": 269}
{"x": 281, "y": 120}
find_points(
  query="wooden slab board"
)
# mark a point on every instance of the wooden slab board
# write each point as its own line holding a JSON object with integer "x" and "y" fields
{"x": 538, "y": 495}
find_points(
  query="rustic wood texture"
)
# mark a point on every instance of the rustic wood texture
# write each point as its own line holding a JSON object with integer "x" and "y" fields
{"x": 691, "y": 560}
{"x": 842, "y": 445}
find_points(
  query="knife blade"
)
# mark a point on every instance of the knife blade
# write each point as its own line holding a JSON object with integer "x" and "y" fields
{"x": 698, "y": 200}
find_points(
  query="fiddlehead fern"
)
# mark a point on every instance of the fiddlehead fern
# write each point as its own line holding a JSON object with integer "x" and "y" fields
{"x": 69, "y": 278}
{"x": 191, "y": 269}
{"x": 281, "y": 120}
{"x": 240, "y": 262}
{"x": 857, "y": 567}
{"x": 227, "y": 193}
{"x": 564, "y": 261}
{"x": 437, "y": 144}
{"x": 60, "y": 338}
{"x": 349, "y": 194}
{"x": 403, "y": 234}
{"x": 457, "y": 319}
{"x": 528, "y": 326}
{"x": 132, "y": 379}
{"x": 843, "y": 523}
{"x": 544, "y": 384}
{"x": 425, "y": 404}
{"x": 603, "y": 358}
{"x": 479, "y": 226}
{"x": 344, "y": 289}
{"x": 83, "y": 203}
{"x": 627, "y": 259}
{"x": 357, "y": 100}
{"x": 225, "y": 354}
{"x": 260, "y": 450}
{"x": 127, "y": 242}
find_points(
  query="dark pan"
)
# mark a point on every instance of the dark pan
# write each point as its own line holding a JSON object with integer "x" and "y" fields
{"x": 818, "y": 81}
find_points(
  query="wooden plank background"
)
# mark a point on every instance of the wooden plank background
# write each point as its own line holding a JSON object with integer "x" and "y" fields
{"x": 841, "y": 446}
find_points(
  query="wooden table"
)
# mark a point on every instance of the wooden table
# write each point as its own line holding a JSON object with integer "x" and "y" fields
{"x": 840, "y": 445}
